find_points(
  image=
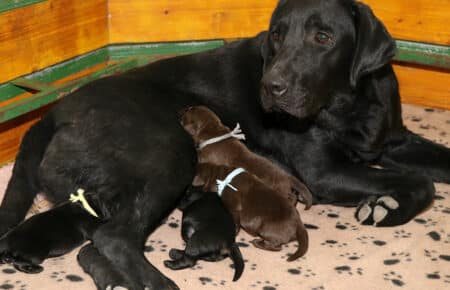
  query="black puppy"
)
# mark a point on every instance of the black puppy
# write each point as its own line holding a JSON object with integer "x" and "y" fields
{"x": 209, "y": 232}
{"x": 53, "y": 233}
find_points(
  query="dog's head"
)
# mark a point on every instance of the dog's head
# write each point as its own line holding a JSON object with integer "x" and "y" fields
{"x": 316, "y": 49}
{"x": 198, "y": 119}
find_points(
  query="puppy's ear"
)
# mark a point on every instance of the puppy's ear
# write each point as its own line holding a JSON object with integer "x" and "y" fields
{"x": 374, "y": 45}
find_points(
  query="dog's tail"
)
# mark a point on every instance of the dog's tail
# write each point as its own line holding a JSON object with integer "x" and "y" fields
{"x": 238, "y": 261}
{"x": 302, "y": 238}
{"x": 24, "y": 183}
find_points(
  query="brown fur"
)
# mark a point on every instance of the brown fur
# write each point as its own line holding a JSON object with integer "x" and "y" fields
{"x": 203, "y": 124}
{"x": 259, "y": 209}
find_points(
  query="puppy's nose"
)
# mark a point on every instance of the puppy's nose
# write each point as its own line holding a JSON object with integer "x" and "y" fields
{"x": 183, "y": 111}
{"x": 277, "y": 87}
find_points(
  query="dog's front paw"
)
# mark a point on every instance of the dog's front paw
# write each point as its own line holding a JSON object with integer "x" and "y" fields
{"x": 20, "y": 263}
{"x": 375, "y": 210}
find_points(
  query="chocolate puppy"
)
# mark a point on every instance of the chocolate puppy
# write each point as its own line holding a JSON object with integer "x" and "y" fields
{"x": 259, "y": 209}
{"x": 216, "y": 145}
{"x": 209, "y": 232}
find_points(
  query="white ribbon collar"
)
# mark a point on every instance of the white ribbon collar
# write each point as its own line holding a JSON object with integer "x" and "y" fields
{"x": 221, "y": 184}
{"x": 236, "y": 133}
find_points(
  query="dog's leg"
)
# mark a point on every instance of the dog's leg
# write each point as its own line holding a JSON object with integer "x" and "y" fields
{"x": 176, "y": 254}
{"x": 122, "y": 244}
{"x": 24, "y": 184}
{"x": 418, "y": 154}
{"x": 182, "y": 263}
{"x": 266, "y": 245}
{"x": 104, "y": 273}
{"x": 337, "y": 180}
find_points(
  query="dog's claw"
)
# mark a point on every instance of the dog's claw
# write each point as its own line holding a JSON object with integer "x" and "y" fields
{"x": 108, "y": 287}
{"x": 379, "y": 213}
{"x": 364, "y": 213}
{"x": 388, "y": 201}
{"x": 119, "y": 288}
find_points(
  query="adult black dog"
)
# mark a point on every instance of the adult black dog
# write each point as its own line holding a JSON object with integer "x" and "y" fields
{"x": 316, "y": 92}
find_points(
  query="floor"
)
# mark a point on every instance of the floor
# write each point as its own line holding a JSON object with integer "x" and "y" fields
{"x": 342, "y": 254}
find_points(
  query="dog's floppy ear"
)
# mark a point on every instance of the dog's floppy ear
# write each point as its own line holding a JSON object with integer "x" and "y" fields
{"x": 266, "y": 51}
{"x": 374, "y": 45}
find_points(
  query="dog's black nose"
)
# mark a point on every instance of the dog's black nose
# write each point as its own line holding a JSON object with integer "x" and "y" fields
{"x": 277, "y": 87}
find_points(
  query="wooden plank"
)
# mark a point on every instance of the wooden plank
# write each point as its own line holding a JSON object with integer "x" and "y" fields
{"x": 423, "y": 86}
{"x": 40, "y": 35}
{"x": 417, "y": 20}
{"x": 162, "y": 20}
{"x": 36, "y": 101}
{"x": 11, "y": 133}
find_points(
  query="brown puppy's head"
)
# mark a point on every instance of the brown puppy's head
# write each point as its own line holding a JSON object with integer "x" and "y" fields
{"x": 201, "y": 123}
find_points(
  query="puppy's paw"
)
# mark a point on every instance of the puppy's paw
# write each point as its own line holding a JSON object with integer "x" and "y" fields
{"x": 176, "y": 254}
{"x": 20, "y": 264}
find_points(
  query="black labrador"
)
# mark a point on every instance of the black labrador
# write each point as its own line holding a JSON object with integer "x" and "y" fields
{"x": 316, "y": 92}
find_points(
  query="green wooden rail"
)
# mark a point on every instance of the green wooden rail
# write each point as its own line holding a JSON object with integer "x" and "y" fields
{"x": 125, "y": 57}
{"x": 6, "y": 5}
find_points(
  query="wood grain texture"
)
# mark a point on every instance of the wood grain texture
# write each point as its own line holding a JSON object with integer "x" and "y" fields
{"x": 36, "y": 36}
{"x": 163, "y": 20}
{"x": 424, "y": 86}
{"x": 12, "y": 132}
{"x": 417, "y": 20}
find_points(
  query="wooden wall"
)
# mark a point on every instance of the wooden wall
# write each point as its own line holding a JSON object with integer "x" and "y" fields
{"x": 39, "y": 35}
{"x": 165, "y": 20}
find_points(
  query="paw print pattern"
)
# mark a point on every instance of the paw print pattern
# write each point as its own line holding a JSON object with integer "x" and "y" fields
{"x": 266, "y": 285}
{"x": 152, "y": 245}
{"x": 307, "y": 272}
{"x": 439, "y": 208}
{"x": 396, "y": 258}
{"x": 394, "y": 278}
{"x": 402, "y": 234}
{"x": 329, "y": 213}
{"x": 346, "y": 226}
{"x": 333, "y": 244}
{"x": 371, "y": 239}
{"x": 173, "y": 222}
{"x": 432, "y": 255}
{"x": 348, "y": 270}
{"x": 8, "y": 284}
{"x": 426, "y": 222}
{"x": 352, "y": 256}
{"x": 58, "y": 276}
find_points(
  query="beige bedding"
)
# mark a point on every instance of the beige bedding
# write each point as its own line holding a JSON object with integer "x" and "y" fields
{"x": 342, "y": 254}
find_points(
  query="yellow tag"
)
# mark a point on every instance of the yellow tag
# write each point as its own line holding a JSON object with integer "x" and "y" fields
{"x": 81, "y": 198}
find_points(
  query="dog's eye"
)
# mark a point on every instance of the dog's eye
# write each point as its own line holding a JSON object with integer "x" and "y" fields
{"x": 322, "y": 37}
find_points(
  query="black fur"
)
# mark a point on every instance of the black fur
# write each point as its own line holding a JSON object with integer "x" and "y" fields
{"x": 317, "y": 93}
{"x": 209, "y": 232}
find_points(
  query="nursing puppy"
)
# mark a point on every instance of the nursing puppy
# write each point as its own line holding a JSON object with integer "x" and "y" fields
{"x": 209, "y": 232}
{"x": 257, "y": 208}
{"x": 204, "y": 126}
{"x": 53, "y": 233}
